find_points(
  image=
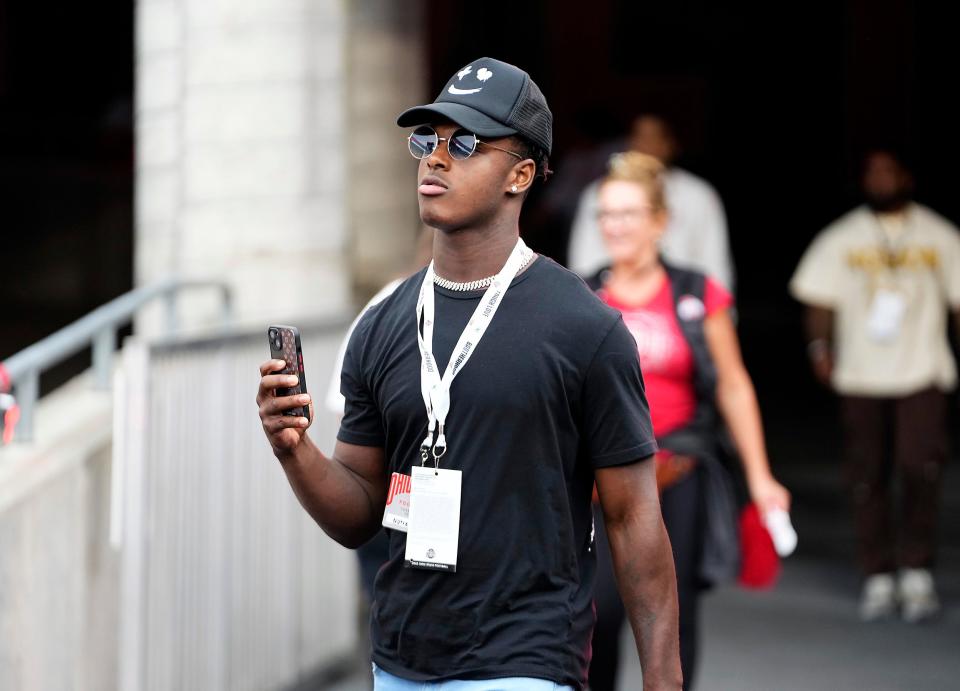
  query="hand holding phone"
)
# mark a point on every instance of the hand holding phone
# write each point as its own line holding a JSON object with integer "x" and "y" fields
{"x": 282, "y": 398}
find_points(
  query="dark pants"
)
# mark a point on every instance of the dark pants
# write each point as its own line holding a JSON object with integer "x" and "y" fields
{"x": 682, "y": 515}
{"x": 906, "y": 436}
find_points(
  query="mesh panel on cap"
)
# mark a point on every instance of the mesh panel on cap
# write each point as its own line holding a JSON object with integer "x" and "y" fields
{"x": 531, "y": 117}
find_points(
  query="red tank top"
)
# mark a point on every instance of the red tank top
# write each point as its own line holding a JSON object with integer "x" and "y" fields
{"x": 665, "y": 356}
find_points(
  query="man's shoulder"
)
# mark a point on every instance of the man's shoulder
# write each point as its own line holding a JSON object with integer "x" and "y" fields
{"x": 392, "y": 307}
{"x": 567, "y": 295}
{"x": 930, "y": 219}
{"x": 848, "y": 225}
{"x": 570, "y": 284}
{"x": 690, "y": 182}
{"x": 588, "y": 197}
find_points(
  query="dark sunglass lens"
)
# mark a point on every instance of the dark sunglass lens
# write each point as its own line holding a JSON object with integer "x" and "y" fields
{"x": 422, "y": 142}
{"x": 462, "y": 144}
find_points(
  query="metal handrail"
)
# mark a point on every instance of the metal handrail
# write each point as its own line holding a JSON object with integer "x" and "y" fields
{"x": 99, "y": 328}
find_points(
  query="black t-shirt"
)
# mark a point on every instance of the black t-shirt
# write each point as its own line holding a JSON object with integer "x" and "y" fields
{"x": 552, "y": 391}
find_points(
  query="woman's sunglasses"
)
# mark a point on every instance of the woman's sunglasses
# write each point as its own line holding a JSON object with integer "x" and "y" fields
{"x": 461, "y": 145}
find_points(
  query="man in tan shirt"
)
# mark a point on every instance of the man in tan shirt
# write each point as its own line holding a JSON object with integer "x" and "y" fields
{"x": 879, "y": 284}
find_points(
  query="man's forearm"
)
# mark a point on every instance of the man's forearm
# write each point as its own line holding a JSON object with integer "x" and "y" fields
{"x": 643, "y": 562}
{"x": 335, "y": 497}
{"x": 818, "y": 324}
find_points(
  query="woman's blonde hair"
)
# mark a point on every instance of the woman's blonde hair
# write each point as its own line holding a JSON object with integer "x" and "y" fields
{"x": 644, "y": 170}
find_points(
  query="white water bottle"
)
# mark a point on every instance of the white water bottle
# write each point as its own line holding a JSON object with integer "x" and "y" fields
{"x": 781, "y": 530}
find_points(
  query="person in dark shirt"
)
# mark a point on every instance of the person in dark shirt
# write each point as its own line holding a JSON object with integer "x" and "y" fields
{"x": 541, "y": 395}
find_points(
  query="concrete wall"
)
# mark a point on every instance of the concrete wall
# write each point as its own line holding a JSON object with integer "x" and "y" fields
{"x": 58, "y": 573}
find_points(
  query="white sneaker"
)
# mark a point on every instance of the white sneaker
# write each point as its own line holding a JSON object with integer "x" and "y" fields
{"x": 878, "y": 599}
{"x": 918, "y": 597}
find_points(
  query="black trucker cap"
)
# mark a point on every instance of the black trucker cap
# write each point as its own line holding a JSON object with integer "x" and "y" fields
{"x": 492, "y": 99}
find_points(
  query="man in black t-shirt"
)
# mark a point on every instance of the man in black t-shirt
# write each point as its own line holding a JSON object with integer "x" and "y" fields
{"x": 540, "y": 396}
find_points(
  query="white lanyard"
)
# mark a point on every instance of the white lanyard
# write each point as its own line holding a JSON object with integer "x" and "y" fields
{"x": 434, "y": 389}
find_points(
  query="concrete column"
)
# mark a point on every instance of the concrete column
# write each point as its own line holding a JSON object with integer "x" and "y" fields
{"x": 241, "y": 153}
{"x": 387, "y": 69}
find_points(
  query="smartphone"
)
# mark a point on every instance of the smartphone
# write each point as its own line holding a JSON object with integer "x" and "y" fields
{"x": 285, "y": 345}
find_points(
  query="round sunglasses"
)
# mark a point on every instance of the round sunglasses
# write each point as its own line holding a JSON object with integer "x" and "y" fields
{"x": 461, "y": 145}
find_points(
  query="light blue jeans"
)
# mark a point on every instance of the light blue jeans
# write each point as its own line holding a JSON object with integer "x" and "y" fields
{"x": 384, "y": 681}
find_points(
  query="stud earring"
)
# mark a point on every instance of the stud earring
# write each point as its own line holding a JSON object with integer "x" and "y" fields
{"x": 513, "y": 189}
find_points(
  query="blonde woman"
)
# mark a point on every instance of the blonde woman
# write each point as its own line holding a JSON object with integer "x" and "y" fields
{"x": 692, "y": 367}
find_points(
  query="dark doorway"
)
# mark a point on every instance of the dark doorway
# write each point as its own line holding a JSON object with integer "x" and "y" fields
{"x": 66, "y": 165}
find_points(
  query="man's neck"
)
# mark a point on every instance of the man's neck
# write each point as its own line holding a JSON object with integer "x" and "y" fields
{"x": 473, "y": 254}
{"x": 898, "y": 209}
{"x": 896, "y": 212}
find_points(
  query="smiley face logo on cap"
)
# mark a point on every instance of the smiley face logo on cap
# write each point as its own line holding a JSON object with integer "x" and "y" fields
{"x": 483, "y": 74}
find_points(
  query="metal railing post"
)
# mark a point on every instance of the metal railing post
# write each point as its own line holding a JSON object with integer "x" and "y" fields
{"x": 226, "y": 310}
{"x": 27, "y": 390}
{"x": 103, "y": 347}
{"x": 170, "y": 305}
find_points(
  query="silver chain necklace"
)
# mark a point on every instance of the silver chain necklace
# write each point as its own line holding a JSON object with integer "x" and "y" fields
{"x": 481, "y": 284}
